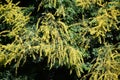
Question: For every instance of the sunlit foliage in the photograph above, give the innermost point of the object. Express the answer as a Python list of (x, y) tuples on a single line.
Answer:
[(50, 39), (82, 35)]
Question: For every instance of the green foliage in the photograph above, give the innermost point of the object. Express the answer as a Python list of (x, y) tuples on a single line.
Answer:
[(106, 66), (54, 39), (107, 19), (47, 40), (7, 76), (82, 35)]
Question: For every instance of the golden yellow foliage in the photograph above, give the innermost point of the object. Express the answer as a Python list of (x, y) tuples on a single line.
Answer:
[(53, 38), (106, 66)]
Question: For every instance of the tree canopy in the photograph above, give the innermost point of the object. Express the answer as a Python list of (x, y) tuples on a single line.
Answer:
[(81, 35)]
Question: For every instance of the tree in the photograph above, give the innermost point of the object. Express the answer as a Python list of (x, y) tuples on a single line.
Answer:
[(81, 35)]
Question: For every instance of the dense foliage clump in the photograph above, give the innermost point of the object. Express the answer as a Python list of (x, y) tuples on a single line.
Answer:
[(81, 35)]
